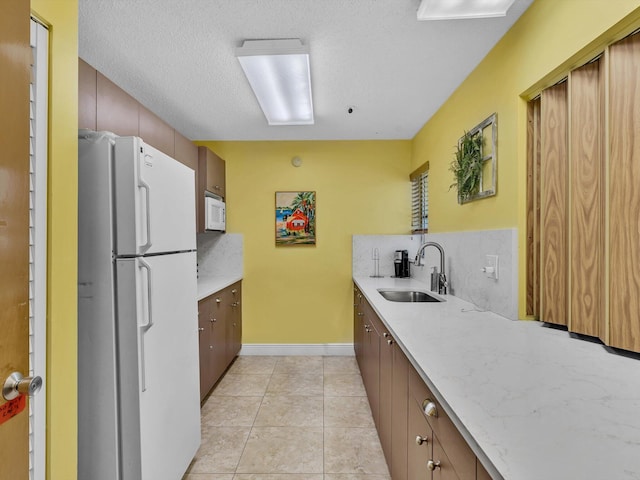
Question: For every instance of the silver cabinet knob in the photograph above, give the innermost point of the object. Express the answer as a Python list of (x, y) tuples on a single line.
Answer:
[(429, 407), (431, 465), (17, 385), (217, 300), (234, 291), (201, 329), (361, 314), (420, 440), (210, 347), (390, 342), (385, 334)]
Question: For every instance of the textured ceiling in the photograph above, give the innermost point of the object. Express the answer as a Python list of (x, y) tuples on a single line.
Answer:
[(177, 58)]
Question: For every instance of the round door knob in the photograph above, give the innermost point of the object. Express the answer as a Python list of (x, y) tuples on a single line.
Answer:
[(429, 407), (217, 300), (431, 465), (234, 291), (385, 334), (390, 342), (420, 440), (17, 385)]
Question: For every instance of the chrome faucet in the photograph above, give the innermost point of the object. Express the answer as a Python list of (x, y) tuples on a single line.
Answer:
[(442, 278)]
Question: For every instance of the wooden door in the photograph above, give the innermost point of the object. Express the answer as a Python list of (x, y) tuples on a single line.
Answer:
[(236, 321), (15, 59), (220, 311), (204, 312), (399, 403), (216, 178), (554, 165), (586, 295), (624, 194), (386, 386), (419, 443)]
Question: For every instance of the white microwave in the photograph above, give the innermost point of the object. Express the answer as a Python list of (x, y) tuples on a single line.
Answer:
[(214, 214)]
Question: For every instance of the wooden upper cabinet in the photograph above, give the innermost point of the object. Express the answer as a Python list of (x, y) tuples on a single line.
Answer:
[(624, 194), (187, 153), (156, 132), (87, 95), (116, 111), (554, 170), (212, 168)]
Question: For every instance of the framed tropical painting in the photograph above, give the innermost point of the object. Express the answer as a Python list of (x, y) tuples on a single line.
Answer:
[(295, 218)]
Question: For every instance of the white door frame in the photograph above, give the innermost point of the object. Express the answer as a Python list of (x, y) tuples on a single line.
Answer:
[(38, 246)]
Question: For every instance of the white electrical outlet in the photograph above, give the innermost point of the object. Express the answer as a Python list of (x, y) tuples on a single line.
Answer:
[(490, 268)]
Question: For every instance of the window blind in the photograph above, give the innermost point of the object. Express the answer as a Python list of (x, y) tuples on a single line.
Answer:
[(420, 199)]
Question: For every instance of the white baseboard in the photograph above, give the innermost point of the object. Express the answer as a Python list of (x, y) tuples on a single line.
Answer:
[(282, 349)]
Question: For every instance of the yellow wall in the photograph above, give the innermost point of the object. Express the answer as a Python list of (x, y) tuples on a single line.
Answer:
[(552, 37), (303, 294), (62, 18)]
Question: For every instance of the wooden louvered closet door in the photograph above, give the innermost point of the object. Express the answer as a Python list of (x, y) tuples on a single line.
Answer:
[(587, 293), (553, 239), (624, 194)]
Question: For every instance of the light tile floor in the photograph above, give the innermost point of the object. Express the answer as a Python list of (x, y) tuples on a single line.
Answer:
[(289, 418)]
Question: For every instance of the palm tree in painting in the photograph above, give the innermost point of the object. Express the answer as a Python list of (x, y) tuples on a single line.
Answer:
[(305, 201)]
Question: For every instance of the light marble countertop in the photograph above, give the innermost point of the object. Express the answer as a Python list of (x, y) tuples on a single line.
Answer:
[(210, 284), (531, 401)]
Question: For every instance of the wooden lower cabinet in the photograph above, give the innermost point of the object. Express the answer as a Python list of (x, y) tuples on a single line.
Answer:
[(413, 427), (220, 332), (399, 413), (419, 444)]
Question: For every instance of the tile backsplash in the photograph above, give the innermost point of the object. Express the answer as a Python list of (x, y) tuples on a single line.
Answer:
[(220, 254), (464, 258)]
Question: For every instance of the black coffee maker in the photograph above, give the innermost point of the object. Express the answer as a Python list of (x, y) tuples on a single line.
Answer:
[(401, 263)]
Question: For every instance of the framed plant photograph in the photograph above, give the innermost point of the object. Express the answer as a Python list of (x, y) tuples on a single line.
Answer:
[(295, 218)]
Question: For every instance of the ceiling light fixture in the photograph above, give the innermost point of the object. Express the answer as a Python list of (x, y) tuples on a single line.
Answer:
[(279, 74), (460, 9)]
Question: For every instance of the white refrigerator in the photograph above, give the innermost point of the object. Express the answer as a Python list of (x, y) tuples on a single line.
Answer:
[(138, 370)]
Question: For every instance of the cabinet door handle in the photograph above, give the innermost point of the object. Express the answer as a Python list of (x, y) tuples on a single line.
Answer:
[(361, 314), (201, 329), (213, 320), (431, 465), (429, 407), (390, 342), (217, 300), (385, 334), (420, 440)]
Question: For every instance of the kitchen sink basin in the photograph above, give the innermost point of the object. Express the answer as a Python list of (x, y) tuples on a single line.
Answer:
[(408, 296)]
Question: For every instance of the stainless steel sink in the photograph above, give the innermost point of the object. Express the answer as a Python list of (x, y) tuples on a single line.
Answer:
[(408, 296)]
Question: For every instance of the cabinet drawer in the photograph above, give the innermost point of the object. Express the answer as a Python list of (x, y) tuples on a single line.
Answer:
[(450, 439)]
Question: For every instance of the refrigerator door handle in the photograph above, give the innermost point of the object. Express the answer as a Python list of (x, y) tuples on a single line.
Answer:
[(144, 185), (145, 327)]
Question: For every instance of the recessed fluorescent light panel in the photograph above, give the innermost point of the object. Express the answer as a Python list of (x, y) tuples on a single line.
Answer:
[(279, 74), (459, 9)]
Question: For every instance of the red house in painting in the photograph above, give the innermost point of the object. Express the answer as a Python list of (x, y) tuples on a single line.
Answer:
[(297, 221)]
